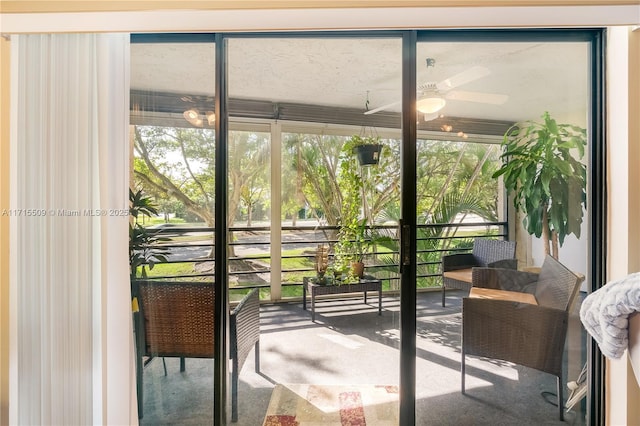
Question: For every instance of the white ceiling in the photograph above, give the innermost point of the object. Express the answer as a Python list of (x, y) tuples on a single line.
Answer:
[(341, 72)]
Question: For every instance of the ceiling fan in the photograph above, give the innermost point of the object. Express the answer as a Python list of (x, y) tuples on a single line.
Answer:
[(433, 96)]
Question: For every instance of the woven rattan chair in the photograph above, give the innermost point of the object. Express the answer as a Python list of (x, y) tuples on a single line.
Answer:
[(176, 319), (526, 334), (457, 267)]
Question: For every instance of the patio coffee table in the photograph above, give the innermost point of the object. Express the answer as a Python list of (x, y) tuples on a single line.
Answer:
[(315, 289)]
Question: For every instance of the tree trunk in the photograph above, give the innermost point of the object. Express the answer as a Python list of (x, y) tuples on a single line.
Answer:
[(546, 238), (555, 246)]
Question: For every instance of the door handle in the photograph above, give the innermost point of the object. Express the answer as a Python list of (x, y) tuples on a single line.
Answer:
[(405, 245)]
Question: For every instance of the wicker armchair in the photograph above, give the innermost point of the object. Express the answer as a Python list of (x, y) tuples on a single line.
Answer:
[(457, 267), (526, 334), (176, 319)]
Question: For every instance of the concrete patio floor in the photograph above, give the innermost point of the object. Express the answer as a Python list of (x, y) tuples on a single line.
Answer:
[(350, 344)]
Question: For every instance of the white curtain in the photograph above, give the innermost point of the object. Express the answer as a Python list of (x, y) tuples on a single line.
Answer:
[(72, 363)]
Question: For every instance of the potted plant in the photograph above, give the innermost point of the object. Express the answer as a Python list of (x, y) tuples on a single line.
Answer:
[(340, 267), (541, 165), (143, 249), (353, 244), (366, 148)]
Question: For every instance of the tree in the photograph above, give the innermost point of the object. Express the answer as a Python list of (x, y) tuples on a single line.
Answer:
[(251, 194), (314, 160), (178, 163), (248, 170), (317, 161), (447, 167)]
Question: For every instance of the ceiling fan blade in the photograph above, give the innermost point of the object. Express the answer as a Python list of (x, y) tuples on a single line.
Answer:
[(464, 77), (381, 108), (480, 97)]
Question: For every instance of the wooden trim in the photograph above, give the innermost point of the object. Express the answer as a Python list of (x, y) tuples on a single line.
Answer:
[(318, 19), (28, 6)]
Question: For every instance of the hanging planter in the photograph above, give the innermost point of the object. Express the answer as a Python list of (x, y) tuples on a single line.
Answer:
[(366, 148), (368, 154)]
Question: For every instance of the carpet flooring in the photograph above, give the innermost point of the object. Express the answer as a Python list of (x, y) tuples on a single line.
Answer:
[(350, 345)]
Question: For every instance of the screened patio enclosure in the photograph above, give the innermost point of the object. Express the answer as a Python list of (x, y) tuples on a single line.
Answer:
[(239, 139)]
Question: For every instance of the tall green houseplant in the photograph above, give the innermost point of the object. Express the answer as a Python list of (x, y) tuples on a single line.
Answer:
[(542, 166), (143, 250)]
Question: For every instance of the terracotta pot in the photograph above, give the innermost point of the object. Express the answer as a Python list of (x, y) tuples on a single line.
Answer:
[(358, 269)]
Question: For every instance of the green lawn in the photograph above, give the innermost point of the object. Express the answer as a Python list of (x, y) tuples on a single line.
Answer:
[(305, 261), (169, 269)]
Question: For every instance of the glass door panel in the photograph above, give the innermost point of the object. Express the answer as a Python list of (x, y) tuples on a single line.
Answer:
[(328, 340), (173, 164), (470, 95), (302, 207)]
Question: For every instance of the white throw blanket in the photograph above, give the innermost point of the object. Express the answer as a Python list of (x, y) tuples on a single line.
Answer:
[(605, 314)]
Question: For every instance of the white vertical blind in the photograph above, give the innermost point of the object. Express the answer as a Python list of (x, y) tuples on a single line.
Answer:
[(74, 359)]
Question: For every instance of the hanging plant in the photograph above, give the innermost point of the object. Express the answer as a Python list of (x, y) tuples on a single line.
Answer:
[(356, 238), (367, 149)]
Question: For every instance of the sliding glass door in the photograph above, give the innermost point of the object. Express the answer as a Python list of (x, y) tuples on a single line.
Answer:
[(302, 209), (476, 92), (247, 147), (172, 176)]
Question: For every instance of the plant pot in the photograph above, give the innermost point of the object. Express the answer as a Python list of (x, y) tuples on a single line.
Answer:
[(368, 154), (358, 269)]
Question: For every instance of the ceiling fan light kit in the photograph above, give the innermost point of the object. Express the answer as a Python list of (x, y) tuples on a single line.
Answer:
[(192, 115), (432, 116), (433, 95), (430, 104)]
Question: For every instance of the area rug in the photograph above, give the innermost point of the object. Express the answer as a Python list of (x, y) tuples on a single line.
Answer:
[(358, 405)]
